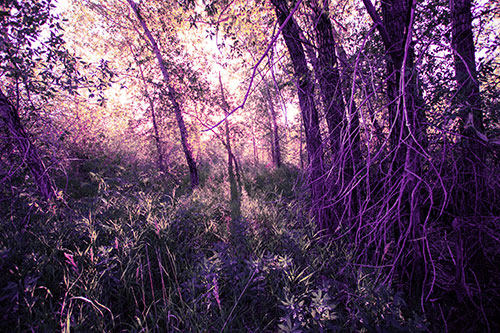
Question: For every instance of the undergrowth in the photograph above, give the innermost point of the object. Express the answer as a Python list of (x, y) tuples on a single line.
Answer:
[(124, 251)]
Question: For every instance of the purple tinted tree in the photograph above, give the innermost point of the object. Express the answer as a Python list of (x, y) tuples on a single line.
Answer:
[(467, 100), (342, 123), (320, 194), (275, 138), (16, 138), (402, 186), (231, 160), (172, 95), (31, 73), (327, 74)]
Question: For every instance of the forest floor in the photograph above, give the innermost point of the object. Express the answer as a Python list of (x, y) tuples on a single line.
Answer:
[(126, 251)]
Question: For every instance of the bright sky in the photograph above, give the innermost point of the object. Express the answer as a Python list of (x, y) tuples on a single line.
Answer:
[(61, 5)]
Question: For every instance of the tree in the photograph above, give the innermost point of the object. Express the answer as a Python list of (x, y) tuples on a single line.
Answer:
[(172, 95), (403, 186), (273, 117), (322, 212), (467, 96), (149, 97), (33, 67), (342, 122), (275, 140), (467, 99), (327, 74), (231, 161), (16, 136)]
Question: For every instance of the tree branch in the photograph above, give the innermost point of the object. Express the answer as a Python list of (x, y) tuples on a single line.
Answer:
[(378, 23), (254, 71)]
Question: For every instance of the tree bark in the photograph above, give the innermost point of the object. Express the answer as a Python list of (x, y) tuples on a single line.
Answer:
[(346, 153), (328, 76), (172, 95), (324, 215), (354, 156), (468, 100), (403, 185), (275, 139), (465, 64)]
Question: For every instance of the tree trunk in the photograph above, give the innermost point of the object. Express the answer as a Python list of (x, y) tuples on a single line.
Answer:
[(235, 194), (16, 134), (328, 77), (156, 132), (345, 145), (301, 149), (324, 215), (254, 145), (403, 184), (395, 14), (172, 95), (354, 157), (465, 65), (468, 101), (276, 151)]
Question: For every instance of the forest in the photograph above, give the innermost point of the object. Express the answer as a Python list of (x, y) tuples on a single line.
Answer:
[(249, 165)]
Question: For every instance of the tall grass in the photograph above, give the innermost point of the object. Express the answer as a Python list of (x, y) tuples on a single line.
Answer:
[(126, 252)]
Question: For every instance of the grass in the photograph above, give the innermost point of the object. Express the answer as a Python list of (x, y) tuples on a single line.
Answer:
[(126, 252)]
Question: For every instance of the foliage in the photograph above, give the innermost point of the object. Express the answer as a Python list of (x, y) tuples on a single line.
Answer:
[(285, 181)]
